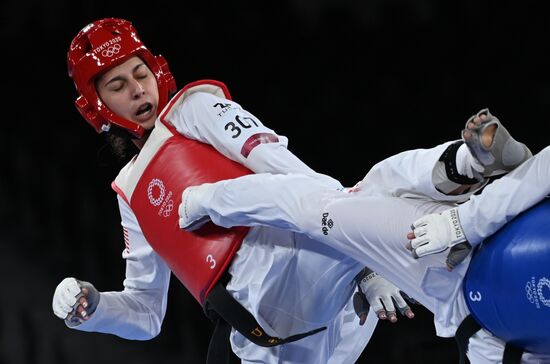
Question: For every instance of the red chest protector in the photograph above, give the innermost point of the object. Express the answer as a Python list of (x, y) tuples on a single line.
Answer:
[(152, 185)]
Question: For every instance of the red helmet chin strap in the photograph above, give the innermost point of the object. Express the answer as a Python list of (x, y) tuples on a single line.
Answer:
[(98, 47)]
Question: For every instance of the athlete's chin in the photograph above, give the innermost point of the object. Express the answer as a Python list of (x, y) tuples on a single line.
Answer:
[(148, 124)]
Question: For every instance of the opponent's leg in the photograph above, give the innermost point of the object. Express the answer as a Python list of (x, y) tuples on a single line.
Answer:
[(252, 200), (488, 150), (372, 230), (506, 197), (492, 145)]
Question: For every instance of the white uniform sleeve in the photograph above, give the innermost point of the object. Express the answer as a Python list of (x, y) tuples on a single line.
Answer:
[(238, 135), (506, 197), (137, 311)]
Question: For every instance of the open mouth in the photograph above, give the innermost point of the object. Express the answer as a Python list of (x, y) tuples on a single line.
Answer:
[(144, 109)]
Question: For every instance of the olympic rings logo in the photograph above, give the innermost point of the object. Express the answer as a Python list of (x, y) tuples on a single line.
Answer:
[(156, 192), (529, 292), (156, 201), (111, 51), (538, 292), (544, 282), (168, 208)]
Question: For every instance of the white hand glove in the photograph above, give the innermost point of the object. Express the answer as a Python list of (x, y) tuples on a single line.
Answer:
[(191, 215), (380, 294), (435, 233), (75, 301)]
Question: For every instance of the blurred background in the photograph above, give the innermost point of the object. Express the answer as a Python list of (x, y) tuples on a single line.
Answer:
[(349, 82)]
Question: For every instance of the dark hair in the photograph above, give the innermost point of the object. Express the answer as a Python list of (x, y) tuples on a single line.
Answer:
[(121, 145)]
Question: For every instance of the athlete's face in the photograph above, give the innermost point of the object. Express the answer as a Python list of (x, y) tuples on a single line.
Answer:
[(130, 91)]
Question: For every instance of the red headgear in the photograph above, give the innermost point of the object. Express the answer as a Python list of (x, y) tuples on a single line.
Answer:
[(98, 47)]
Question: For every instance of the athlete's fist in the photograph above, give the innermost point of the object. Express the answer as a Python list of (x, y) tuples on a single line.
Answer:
[(74, 301), (435, 233)]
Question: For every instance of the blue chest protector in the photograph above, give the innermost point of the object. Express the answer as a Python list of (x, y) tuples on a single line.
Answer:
[(507, 286)]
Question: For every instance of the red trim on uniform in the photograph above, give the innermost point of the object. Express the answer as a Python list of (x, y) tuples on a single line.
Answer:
[(257, 139), (170, 127), (120, 192)]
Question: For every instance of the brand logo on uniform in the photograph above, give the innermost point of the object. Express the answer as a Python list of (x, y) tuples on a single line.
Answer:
[(156, 192), (326, 223), (538, 292), (109, 48), (225, 107)]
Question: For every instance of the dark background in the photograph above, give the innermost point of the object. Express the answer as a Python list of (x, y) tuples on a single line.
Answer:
[(349, 82)]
